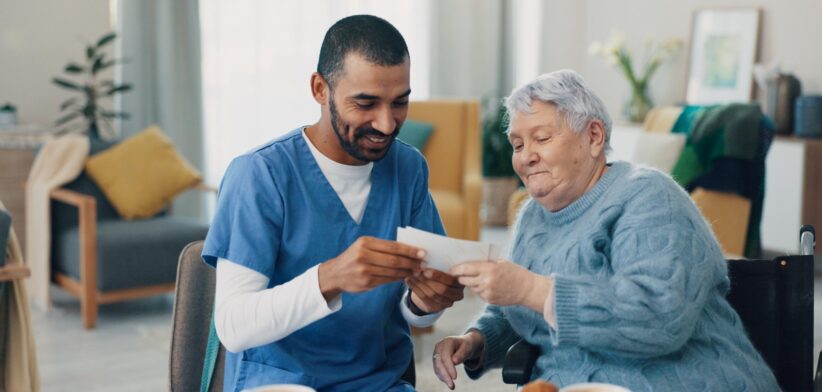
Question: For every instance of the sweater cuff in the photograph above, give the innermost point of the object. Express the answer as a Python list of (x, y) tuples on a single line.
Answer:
[(566, 296)]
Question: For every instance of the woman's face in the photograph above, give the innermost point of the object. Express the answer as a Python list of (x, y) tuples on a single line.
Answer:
[(555, 164)]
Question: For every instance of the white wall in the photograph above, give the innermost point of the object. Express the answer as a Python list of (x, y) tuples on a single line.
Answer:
[(789, 31), (37, 39)]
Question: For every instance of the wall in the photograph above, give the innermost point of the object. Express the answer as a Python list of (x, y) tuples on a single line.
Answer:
[(37, 39), (788, 28)]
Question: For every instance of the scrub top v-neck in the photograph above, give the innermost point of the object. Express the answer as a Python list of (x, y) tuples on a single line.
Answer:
[(278, 214)]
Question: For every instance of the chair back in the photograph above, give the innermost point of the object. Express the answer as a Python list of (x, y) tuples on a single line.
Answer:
[(193, 307), (453, 149), (774, 299)]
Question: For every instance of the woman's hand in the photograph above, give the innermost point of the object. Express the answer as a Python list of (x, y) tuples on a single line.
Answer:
[(505, 283), (454, 350)]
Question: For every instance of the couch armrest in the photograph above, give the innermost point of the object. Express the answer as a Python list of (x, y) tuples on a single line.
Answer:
[(87, 211)]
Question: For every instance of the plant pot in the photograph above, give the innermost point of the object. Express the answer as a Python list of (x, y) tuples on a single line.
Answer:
[(495, 194)]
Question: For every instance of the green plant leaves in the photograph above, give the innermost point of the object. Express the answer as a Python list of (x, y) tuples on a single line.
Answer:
[(106, 39), (117, 89), (66, 84), (111, 114), (74, 68), (68, 102)]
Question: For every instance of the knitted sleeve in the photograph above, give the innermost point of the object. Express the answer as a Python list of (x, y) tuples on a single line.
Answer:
[(499, 336), (665, 264)]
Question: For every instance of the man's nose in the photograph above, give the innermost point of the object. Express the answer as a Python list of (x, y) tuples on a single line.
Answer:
[(384, 122)]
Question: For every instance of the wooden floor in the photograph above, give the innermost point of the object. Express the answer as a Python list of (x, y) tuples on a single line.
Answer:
[(128, 351)]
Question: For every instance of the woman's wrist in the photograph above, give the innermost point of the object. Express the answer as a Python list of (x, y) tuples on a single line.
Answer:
[(539, 291)]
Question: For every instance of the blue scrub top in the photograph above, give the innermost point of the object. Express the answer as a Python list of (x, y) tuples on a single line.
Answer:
[(278, 215)]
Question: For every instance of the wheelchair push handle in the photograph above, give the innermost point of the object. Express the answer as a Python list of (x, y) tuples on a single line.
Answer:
[(807, 240)]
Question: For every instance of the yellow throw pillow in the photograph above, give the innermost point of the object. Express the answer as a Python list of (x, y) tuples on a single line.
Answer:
[(141, 174)]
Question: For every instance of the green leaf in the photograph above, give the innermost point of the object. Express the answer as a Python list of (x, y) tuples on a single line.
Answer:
[(97, 65), (67, 103), (90, 52), (106, 39), (110, 114), (66, 84), (67, 118), (118, 89), (74, 68)]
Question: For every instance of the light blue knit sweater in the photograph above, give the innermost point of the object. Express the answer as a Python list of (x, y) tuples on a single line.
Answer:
[(640, 286)]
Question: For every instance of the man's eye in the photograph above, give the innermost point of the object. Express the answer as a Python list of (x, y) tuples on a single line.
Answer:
[(401, 103), (365, 105)]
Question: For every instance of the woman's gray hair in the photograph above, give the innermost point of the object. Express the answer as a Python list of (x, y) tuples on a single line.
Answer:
[(572, 98)]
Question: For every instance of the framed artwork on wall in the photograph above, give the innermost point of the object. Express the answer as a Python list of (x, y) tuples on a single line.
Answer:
[(724, 47)]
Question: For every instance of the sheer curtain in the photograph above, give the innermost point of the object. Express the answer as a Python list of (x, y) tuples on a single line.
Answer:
[(258, 56)]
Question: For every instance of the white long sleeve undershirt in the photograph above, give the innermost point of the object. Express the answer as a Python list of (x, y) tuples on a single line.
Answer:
[(247, 314)]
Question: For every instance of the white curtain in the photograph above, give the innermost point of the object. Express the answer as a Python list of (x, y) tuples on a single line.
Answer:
[(160, 42), (258, 56)]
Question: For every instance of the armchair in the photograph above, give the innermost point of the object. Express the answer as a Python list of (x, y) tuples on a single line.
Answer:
[(453, 155), (100, 258)]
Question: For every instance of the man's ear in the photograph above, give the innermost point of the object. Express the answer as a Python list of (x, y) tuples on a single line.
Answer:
[(596, 134), (319, 88)]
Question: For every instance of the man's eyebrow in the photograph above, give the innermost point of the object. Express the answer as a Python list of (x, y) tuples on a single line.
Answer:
[(365, 96)]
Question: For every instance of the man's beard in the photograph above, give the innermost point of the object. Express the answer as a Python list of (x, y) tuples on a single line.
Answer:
[(352, 147)]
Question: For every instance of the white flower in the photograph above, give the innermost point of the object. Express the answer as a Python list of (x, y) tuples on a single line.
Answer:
[(595, 49)]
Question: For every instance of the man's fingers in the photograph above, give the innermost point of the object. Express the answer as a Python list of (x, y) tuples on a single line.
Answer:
[(389, 260), (395, 248), (384, 272)]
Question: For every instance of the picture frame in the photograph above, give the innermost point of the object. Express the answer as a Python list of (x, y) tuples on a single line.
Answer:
[(723, 49)]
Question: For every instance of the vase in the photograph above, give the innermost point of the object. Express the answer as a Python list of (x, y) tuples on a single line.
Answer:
[(638, 105)]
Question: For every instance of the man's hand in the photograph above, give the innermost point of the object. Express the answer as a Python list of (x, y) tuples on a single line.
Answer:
[(434, 290), (369, 262), (454, 350), (505, 283)]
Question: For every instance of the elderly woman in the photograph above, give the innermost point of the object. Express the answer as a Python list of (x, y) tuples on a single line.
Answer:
[(615, 274)]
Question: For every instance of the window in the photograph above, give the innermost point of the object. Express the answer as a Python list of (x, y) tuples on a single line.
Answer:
[(258, 56)]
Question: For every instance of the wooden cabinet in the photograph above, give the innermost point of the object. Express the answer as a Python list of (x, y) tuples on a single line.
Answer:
[(16, 158), (793, 192)]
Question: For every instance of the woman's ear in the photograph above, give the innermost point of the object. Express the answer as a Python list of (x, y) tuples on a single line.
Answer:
[(319, 88), (596, 133)]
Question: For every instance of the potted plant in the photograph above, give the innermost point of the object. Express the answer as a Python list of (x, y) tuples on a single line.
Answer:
[(499, 178), (92, 91), (8, 115)]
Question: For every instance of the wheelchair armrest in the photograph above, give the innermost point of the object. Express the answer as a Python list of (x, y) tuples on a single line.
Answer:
[(817, 381), (519, 362)]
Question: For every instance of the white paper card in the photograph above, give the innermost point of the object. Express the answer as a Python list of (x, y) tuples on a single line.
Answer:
[(442, 252)]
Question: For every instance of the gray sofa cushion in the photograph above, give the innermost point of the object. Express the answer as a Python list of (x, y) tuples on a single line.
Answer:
[(130, 253)]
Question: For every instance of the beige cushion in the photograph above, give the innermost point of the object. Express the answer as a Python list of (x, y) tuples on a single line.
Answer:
[(142, 174)]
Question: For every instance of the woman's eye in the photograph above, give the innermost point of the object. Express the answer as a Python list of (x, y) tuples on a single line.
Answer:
[(517, 147)]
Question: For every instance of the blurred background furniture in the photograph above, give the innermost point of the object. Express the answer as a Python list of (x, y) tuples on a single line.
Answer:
[(16, 157), (101, 258), (453, 155)]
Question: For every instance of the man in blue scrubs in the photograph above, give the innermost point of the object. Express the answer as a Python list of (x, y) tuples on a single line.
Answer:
[(312, 289)]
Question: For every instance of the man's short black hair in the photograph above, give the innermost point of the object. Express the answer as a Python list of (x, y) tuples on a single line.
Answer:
[(367, 35)]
